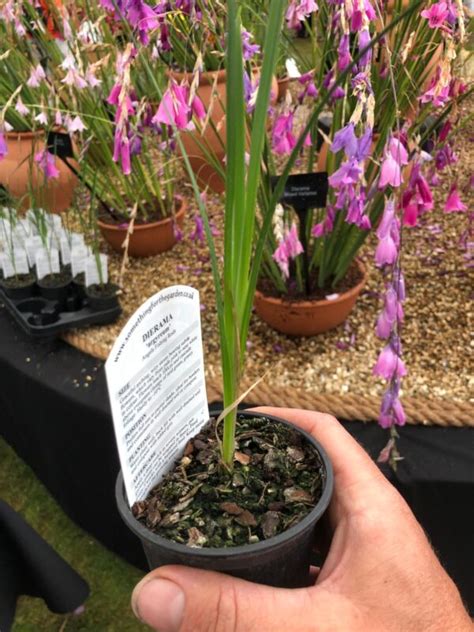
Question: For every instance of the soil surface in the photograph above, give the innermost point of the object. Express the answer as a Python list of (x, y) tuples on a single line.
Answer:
[(55, 280), (276, 480), (80, 278), (352, 278), (20, 280), (106, 290)]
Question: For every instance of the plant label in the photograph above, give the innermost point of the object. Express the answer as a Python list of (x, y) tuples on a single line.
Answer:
[(60, 144), (304, 190), (65, 249), (93, 275), (32, 245), (7, 266), (157, 389), (21, 261), (77, 239), (54, 221), (78, 259), (47, 262), (16, 264)]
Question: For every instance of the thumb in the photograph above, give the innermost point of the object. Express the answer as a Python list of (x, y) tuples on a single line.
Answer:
[(181, 599)]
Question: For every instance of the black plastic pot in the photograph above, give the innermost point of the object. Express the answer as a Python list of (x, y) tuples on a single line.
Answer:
[(282, 561), (20, 292), (57, 292), (108, 300)]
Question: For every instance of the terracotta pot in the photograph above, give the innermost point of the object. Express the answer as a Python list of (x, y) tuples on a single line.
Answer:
[(20, 175), (199, 146), (283, 87), (307, 318), (146, 240)]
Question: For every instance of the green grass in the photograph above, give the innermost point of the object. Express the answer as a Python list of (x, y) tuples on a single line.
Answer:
[(111, 580)]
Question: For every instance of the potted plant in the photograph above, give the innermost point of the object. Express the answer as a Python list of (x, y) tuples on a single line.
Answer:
[(253, 541), (16, 280), (245, 239), (311, 274), (29, 168)]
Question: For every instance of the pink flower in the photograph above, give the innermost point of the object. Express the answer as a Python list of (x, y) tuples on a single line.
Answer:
[(122, 152), (75, 125), (174, 109), (389, 364), (289, 248), (73, 78), (395, 157), (298, 10), (3, 146), (47, 162), (436, 14), (283, 138), (281, 257), (386, 252), (42, 118), (91, 78), (198, 108), (294, 245), (21, 108), (36, 77), (198, 232), (453, 203)]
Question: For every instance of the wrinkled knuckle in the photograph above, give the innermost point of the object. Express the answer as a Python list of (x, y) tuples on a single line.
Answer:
[(225, 617), (328, 419)]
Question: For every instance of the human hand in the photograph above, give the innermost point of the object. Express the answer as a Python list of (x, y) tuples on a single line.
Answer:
[(380, 573)]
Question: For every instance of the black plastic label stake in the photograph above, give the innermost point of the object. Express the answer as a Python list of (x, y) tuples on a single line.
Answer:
[(60, 144), (304, 190)]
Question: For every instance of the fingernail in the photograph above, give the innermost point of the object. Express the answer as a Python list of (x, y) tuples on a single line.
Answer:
[(160, 604)]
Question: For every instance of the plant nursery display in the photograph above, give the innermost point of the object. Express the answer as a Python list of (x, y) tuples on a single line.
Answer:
[(40, 258), (139, 105)]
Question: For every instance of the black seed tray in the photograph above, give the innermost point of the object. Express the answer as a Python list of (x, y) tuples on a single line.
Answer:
[(40, 317)]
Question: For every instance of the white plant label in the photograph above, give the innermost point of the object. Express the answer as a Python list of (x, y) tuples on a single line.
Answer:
[(54, 221), (21, 261), (78, 259), (47, 262), (32, 245), (7, 266), (77, 239), (157, 389), (18, 264), (65, 248), (92, 275)]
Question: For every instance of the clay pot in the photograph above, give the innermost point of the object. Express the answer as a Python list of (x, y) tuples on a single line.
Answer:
[(283, 87), (146, 240), (19, 174), (204, 147), (308, 318)]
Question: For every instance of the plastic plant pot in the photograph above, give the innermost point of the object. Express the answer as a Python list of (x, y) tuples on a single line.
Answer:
[(21, 291), (101, 300), (282, 561), (57, 292)]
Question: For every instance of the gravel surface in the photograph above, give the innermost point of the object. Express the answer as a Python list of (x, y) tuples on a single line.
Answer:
[(437, 335)]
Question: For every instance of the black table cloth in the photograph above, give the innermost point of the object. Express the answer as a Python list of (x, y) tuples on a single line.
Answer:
[(54, 412), (29, 566)]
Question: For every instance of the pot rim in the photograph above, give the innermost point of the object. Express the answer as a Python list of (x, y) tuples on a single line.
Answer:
[(206, 77), (139, 227), (319, 302), (233, 552), (13, 135), (63, 285)]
